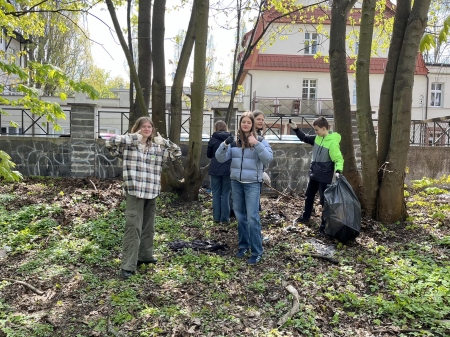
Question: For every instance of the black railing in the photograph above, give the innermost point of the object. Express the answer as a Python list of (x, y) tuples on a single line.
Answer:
[(293, 106), (29, 123)]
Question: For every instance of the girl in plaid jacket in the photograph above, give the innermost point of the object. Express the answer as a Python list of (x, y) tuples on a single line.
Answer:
[(142, 155)]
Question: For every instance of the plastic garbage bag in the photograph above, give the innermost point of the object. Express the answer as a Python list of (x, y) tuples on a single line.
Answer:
[(341, 211)]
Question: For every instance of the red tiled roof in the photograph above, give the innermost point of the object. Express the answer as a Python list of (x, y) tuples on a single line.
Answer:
[(307, 63)]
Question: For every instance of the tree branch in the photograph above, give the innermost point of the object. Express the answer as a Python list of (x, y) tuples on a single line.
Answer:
[(295, 305), (29, 286)]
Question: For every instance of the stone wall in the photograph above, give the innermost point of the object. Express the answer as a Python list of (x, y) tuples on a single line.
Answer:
[(427, 161), (66, 157), (82, 155)]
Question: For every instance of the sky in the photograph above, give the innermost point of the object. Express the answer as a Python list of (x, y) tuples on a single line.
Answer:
[(108, 53)]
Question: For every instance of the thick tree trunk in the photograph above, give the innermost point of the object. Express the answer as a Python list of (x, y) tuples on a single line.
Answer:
[(387, 88), (340, 90), (193, 174), (177, 86), (159, 70), (392, 206), (364, 111)]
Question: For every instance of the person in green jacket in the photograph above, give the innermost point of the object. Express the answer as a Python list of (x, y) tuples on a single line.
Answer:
[(326, 161)]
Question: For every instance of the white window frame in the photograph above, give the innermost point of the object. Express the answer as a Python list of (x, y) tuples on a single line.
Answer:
[(354, 93), (311, 41), (311, 89), (436, 95)]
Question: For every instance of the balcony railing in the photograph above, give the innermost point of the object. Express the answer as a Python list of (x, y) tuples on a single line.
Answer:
[(293, 106)]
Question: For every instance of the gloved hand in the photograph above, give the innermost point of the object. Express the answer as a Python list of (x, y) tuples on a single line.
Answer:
[(292, 124), (159, 140), (266, 178), (338, 174), (138, 134), (229, 140)]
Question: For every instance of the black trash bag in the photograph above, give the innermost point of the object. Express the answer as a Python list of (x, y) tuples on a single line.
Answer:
[(199, 245), (341, 211)]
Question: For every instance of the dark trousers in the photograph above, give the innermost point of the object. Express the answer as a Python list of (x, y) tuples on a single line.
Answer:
[(311, 190)]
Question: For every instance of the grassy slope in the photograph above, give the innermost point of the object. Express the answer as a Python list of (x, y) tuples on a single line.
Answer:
[(63, 236)]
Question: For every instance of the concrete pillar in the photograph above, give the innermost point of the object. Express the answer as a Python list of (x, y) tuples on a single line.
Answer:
[(83, 132)]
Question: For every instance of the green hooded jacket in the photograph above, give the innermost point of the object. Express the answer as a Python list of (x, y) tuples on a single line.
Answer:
[(326, 156)]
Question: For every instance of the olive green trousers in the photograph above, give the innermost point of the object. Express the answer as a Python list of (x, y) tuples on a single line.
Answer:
[(139, 231)]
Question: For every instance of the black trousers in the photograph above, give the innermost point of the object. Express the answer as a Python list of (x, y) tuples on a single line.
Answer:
[(311, 190)]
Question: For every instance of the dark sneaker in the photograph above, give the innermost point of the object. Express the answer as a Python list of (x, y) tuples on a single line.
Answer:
[(152, 261), (254, 259), (127, 274), (301, 220), (241, 252)]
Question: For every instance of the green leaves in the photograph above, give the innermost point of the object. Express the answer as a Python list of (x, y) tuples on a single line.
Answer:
[(6, 166), (429, 40)]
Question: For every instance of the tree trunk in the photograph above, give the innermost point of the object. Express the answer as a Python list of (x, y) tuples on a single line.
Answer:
[(340, 91), (177, 86), (130, 47), (234, 77), (159, 69), (193, 174), (387, 88), (364, 111), (133, 72), (144, 60), (392, 206)]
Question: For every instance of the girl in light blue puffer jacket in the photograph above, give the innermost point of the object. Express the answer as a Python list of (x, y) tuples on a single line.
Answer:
[(248, 155)]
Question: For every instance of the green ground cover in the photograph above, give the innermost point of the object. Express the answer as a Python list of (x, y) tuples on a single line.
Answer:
[(63, 236)]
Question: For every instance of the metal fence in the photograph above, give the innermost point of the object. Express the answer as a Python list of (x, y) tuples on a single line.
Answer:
[(116, 122), (432, 132), (293, 106), (21, 121)]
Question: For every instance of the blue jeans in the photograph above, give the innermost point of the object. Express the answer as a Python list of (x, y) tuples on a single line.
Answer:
[(220, 188), (246, 209)]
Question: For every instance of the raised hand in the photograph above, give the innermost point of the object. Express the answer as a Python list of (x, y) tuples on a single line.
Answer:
[(229, 140), (252, 140), (292, 124), (159, 140)]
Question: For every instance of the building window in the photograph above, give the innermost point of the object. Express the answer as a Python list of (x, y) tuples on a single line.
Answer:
[(310, 43), (436, 94), (354, 93), (309, 89)]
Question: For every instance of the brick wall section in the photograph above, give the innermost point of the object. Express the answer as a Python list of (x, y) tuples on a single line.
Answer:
[(288, 170)]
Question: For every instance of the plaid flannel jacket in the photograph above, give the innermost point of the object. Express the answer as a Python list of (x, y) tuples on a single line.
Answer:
[(142, 164)]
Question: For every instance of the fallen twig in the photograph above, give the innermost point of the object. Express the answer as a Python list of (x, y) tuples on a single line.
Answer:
[(281, 193), (93, 184), (295, 305), (325, 257), (29, 286)]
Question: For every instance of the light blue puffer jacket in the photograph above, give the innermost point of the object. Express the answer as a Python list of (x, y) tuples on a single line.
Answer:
[(246, 164)]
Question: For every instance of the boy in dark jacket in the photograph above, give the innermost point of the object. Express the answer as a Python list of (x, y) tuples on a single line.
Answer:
[(220, 174), (326, 160)]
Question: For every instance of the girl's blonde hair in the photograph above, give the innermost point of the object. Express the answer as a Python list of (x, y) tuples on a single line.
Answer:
[(138, 125), (243, 138), (220, 126)]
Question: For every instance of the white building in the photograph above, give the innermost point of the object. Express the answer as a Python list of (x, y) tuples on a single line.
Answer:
[(287, 77)]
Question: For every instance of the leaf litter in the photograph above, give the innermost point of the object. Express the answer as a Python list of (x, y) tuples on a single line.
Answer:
[(183, 296)]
